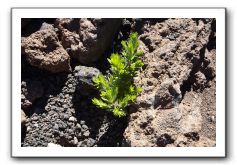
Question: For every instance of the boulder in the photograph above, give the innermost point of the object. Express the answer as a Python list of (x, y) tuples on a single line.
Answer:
[(87, 39), (44, 51), (173, 50), (84, 77), (159, 128), (177, 69)]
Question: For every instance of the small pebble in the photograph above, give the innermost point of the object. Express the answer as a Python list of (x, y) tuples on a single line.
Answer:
[(56, 126), (86, 134), (72, 119), (75, 140), (82, 122), (70, 131), (84, 127)]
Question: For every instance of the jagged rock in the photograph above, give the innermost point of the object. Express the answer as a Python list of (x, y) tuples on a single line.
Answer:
[(200, 81), (30, 91), (168, 95), (84, 76), (210, 64), (170, 62), (162, 127), (43, 50), (46, 26), (174, 63), (87, 39), (191, 120), (147, 127), (187, 141)]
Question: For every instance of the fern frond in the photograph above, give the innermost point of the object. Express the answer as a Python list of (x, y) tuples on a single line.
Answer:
[(100, 103)]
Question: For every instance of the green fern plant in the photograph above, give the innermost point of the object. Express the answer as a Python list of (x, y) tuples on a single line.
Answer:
[(117, 89)]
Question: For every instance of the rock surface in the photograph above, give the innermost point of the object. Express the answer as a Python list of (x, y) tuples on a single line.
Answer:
[(43, 50), (173, 49), (178, 67), (84, 75), (87, 39), (70, 120)]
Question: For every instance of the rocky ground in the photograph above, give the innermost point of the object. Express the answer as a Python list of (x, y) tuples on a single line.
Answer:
[(176, 108)]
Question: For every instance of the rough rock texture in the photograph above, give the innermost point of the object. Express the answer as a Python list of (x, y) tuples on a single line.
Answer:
[(87, 39), (69, 119), (43, 50), (84, 75), (178, 67), (190, 124), (172, 50), (30, 91)]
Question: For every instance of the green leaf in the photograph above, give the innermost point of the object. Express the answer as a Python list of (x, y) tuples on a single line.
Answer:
[(138, 63), (119, 113), (139, 89), (133, 40), (139, 53), (131, 89), (124, 45), (117, 63), (110, 95), (100, 81), (100, 103), (117, 89)]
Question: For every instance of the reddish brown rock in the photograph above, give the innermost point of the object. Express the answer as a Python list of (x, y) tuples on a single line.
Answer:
[(87, 39), (43, 50), (178, 71)]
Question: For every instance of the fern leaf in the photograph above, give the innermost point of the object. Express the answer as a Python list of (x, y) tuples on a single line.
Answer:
[(100, 103)]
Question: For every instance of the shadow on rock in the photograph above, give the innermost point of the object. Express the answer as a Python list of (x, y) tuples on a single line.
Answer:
[(87, 115), (105, 129), (113, 136)]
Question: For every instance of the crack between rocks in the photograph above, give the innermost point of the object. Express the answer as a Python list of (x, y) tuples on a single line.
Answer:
[(188, 84)]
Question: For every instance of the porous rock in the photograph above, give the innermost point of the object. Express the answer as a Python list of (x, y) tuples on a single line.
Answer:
[(169, 62), (87, 39), (44, 51), (84, 75), (176, 61)]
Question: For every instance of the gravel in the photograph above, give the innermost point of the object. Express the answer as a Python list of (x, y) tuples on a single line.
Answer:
[(68, 118)]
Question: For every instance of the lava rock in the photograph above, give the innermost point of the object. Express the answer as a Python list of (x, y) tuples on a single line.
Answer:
[(200, 81), (87, 39), (43, 50), (84, 77)]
